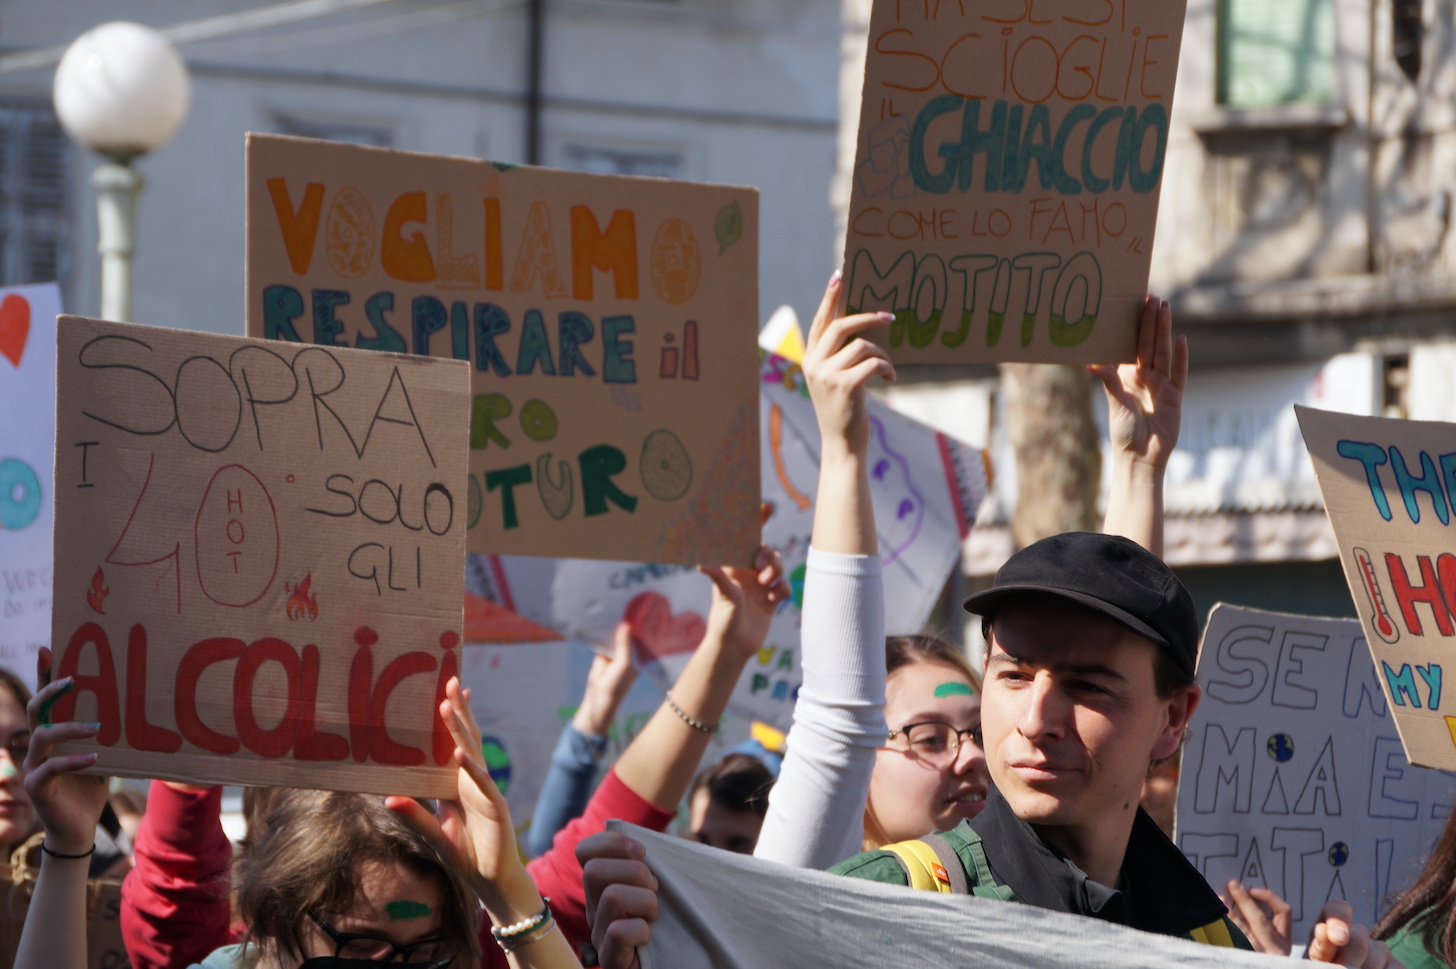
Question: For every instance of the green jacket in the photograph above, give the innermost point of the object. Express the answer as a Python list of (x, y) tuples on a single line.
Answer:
[(1408, 945), (1175, 899)]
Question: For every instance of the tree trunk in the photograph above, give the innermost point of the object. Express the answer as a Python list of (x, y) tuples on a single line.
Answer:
[(1055, 442)]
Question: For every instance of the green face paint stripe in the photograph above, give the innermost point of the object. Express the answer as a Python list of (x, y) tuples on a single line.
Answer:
[(8, 772), (48, 705), (953, 689), (399, 911)]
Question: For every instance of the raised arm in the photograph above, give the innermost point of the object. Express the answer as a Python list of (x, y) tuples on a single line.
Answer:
[(68, 805), (1144, 410), (816, 808), (583, 741)]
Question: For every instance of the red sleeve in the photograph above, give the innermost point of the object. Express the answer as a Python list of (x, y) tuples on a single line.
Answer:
[(174, 903), (558, 874)]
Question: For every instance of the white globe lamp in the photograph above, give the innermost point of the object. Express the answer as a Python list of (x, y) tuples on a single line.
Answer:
[(121, 90)]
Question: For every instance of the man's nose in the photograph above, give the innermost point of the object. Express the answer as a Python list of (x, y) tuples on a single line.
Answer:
[(1045, 711)]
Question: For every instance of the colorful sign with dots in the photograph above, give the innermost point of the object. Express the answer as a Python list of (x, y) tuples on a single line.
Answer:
[(1293, 777), (608, 323), (27, 455), (258, 557), (1006, 181), (1388, 487), (926, 489)]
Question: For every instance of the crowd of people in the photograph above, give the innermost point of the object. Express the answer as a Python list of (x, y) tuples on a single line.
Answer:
[(904, 764)]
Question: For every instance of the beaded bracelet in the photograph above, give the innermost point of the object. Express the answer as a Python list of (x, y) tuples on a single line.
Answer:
[(695, 724), (526, 930)]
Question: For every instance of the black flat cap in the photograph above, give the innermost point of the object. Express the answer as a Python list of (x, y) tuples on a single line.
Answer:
[(1108, 574)]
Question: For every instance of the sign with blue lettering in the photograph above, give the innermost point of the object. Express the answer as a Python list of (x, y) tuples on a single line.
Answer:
[(1006, 181), (1294, 778), (1388, 487)]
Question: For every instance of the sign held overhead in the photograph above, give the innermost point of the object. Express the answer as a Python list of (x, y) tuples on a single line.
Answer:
[(258, 557), (1007, 175), (609, 324)]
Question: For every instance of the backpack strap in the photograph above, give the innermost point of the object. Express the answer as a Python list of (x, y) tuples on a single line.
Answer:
[(950, 863), (922, 866), (1214, 933)]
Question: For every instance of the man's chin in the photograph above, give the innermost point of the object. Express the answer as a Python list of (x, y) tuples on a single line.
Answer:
[(1036, 807)]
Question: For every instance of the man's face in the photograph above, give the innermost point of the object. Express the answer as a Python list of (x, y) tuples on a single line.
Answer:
[(1071, 715)]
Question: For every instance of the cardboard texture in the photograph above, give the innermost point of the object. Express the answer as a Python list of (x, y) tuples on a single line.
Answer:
[(260, 549), (609, 322), (1293, 777), (27, 375), (926, 489), (1007, 175), (1388, 487)]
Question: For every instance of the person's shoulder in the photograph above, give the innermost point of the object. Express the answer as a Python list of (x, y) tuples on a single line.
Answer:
[(1409, 945), (878, 866), (231, 957)]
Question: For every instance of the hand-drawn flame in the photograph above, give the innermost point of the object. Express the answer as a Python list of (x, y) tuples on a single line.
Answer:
[(97, 592), (300, 603)]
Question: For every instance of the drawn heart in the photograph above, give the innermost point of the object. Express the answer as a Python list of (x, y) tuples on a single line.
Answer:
[(657, 633), (14, 327)]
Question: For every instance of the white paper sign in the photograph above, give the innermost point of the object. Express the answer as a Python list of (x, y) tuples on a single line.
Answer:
[(27, 461), (1294, 777)]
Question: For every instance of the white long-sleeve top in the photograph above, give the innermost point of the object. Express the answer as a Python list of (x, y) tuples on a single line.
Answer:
[(816, 808)]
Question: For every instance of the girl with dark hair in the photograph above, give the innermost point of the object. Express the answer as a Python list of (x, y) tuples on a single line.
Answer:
[(1421, 927), (334, 881)]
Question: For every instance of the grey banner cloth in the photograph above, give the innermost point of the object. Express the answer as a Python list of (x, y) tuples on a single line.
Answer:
[(726, 911)]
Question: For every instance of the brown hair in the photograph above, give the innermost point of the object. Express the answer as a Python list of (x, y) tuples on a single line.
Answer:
[(16, 686), (1429, 906), (737, 782), (904, 650), (307, 859)]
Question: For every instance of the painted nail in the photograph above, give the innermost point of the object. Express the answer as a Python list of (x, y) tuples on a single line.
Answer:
[(886, 317), (96, 726), (835, 277)]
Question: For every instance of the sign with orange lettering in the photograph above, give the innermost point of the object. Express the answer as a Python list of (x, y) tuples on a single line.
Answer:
[(1006, 181), (259, 550), (1389, 488), (609, 324)]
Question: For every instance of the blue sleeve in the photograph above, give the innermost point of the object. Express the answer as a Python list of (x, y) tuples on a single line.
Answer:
[(567, 789)]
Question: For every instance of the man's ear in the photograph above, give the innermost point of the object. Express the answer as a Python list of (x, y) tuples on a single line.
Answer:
[(1180, 707)]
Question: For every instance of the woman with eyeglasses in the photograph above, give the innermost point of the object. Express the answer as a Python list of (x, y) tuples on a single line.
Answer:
[(885, 742), (335, 881)]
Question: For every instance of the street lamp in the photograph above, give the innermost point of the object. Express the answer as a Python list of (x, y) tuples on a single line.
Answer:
[(122, 91)]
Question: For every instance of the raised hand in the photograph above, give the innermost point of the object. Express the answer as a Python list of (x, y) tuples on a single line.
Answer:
[(837, 365), (745, 600), (1145, 399), (607, 684), (68, 803)]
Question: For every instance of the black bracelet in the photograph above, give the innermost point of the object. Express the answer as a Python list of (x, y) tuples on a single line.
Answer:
[(57, 854)]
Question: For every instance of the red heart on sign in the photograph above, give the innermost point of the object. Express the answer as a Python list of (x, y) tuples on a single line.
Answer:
[(14, 327), (657, 632)]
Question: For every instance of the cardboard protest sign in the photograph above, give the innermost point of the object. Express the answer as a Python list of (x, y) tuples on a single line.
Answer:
[(1007, 175), (1388, 486), (1293, 777), (608, 321), (926, 488), (259, 548), (27, 448)]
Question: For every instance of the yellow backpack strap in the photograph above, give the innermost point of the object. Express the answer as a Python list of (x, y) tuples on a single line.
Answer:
[(1214, 933), (922, 866)]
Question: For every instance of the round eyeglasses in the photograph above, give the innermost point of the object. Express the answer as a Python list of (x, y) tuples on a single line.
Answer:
[(934, 745)]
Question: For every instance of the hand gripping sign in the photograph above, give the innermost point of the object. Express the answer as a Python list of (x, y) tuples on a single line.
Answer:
[(258, 557)]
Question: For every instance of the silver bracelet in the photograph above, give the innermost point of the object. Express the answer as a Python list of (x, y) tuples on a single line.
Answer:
[(695, 724)]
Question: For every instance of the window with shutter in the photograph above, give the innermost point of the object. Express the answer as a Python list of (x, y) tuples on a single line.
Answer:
[(34, 197)]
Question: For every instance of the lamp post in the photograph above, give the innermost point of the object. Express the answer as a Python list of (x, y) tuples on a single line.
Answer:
[(121, 90)]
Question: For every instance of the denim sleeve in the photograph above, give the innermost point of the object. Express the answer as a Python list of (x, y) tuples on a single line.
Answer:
[(567, 789)]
